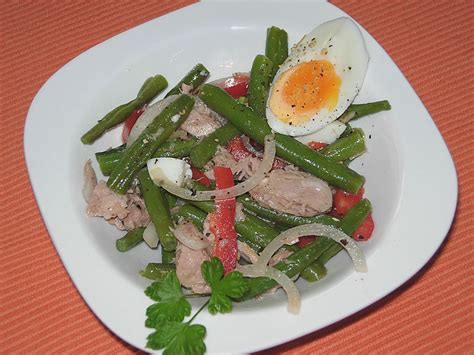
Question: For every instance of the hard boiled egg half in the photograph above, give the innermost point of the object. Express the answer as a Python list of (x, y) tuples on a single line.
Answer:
[(319, 80)]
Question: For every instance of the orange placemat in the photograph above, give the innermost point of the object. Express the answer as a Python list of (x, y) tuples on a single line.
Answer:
[(41, 311)]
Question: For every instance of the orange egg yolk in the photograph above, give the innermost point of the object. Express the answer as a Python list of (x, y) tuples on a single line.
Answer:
[(302, 91)]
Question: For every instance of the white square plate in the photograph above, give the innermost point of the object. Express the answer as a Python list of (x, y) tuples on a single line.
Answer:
[(411, 179)]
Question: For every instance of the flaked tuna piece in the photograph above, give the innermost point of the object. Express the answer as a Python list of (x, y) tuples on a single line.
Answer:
[(188, 261), (126, 212), (294, 192), (247, 252), (242, 169), (202, 121)]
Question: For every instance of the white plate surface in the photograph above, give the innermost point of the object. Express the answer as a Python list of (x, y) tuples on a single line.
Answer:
[(407, 161)]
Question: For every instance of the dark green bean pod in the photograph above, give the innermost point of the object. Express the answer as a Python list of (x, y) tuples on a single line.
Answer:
[(130, 240), (349, 224), (314, 272), (206, 149), (260, 79), (157, 271), (150, 88), (176, 148), (276, 47), (157, 208), (153, 136), (348, 147), (356, 111), (281, 217), (288, 148), (168, 257), (195, 77), (192, 214)]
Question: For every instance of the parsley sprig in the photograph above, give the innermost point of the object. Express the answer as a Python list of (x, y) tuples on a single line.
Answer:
[(167, 315)]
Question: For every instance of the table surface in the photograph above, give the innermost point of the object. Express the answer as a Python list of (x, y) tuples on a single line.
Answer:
[(41, 311)]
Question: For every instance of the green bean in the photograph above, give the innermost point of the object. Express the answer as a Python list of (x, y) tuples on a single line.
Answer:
[(195, 77), (260, 78), (168, 257), (192, 214), (347, 147), (152, 137), (356, 111), (156, 271), (150, 88), (349, 224), (158, 210), (171, 200), (109, 158), (314, 272), (276, 47), (282, 217), (129, 240), (176, 148), (205, 150), (291, 267), (251, 124)]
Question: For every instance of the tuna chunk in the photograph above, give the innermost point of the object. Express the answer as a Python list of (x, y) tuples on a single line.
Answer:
[(202, 121), (294, 192), (241, 169), (188, 261), (126, 212)]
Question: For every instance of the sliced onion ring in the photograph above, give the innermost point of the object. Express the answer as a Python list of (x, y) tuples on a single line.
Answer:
[(291, 235), (237, 190), (190, 242), (294, 299), (150, 237)]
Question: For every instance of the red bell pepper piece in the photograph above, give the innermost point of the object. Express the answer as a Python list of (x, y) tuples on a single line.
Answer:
[(239, 151), (344, 201), (199, 176), (305, 240), (236, 86), (316, 145), (130, 122), (364, 232), (222, 222)]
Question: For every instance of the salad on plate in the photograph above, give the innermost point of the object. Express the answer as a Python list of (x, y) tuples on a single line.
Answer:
[(244, 183)]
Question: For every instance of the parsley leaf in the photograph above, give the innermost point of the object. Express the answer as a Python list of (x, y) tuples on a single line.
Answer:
[(171, 304), (178, 338), (232, 285)]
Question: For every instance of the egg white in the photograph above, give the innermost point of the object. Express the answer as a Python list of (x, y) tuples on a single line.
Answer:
[(340, 42)]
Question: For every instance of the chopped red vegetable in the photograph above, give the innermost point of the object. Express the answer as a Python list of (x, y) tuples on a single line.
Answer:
[(130, 122), (239, 151), (304, 241), (222, 222), (316, 145), (344, 201), (364, 232), (199, 176), (236, 86)]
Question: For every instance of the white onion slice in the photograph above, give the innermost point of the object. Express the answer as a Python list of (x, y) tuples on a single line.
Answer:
[(150, 237), (190, 241), (147, 117), (90, 181), (237, 190), (291, 235), (294, 299)]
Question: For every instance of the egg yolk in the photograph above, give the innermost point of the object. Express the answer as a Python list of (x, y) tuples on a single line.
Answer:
[(302, 91)]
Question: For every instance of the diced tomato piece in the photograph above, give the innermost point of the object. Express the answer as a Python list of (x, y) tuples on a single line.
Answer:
[(343, 201), (364, 232), (305, 240), (199, 176), (316, 145), (130, 122), (279, 164), (222, 222), (236, 86)]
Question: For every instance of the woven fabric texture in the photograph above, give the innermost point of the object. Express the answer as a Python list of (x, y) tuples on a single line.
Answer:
[(40, 309)]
